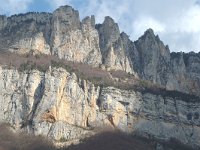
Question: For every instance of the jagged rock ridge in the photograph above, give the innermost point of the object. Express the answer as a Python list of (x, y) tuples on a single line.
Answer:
[(47, 103), (64, 35)]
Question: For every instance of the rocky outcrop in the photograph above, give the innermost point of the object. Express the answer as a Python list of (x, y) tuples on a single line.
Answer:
[(25, 32), (64, 35), (73, 40), (114, 53), (154, 58), (2, 21), (175, 71), (186, 72), (153, 115), (61, 33), (63, 107)]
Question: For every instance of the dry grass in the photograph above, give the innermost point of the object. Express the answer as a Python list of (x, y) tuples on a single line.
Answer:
[(107, 140), (104, 140), (113, 140), (42, 62), (97, 76), (22, 141)]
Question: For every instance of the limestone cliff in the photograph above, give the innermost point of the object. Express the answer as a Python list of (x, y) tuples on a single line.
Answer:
[(114, 53), (61, 33), (73, 40), (175, 71), (63, 107)]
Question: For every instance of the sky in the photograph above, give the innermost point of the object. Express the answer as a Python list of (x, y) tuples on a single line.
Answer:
[(177, 22)]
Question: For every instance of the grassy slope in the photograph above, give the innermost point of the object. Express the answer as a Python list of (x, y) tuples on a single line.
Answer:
[(97, 76)]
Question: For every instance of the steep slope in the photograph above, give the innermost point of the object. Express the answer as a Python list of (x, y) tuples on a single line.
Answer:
[(67, 107), (61, 34), (154, 58), (64, 35), (26, 32), (175, 71), (63, 107), (114, 53), (73, 40)]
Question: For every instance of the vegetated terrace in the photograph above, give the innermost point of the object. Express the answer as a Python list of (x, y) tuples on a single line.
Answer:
[(116, 78)]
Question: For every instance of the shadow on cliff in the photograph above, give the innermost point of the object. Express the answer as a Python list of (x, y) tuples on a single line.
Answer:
[(105, 140)]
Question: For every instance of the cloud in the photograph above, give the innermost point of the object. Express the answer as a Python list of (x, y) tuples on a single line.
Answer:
[(56, 3), (190, 21), (176, 22), (10, 7), (102, 8), (142, 23)]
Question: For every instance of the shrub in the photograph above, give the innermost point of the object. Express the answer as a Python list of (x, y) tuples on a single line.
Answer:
[(22, 141), (96, 75), (113, 140)]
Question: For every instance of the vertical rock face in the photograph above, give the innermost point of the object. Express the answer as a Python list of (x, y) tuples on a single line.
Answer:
[(109, 33), (185, 70), (64, 35), (60, 33), (114, 55), (66, 106), (54, 104), (74, 40), (64, 20), (3, 21), (63, 107), (154, 58), (153, 115), (152, 61), (25, 33), (19, 95)]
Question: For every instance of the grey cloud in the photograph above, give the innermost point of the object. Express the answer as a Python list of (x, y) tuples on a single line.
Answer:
[(175, 21)]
